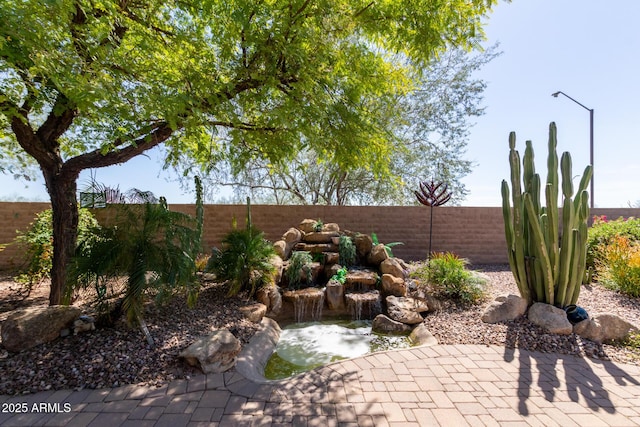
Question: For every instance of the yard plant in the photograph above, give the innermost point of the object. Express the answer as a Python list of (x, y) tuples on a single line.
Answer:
[(547, 269)]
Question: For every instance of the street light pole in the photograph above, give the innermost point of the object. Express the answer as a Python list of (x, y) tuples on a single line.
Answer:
[(555, 95)]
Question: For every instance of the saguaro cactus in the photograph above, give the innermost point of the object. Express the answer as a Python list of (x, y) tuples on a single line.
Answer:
[(546, 268)]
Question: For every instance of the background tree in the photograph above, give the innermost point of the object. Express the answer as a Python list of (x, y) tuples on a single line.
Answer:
[(87, 84), (430, 134)]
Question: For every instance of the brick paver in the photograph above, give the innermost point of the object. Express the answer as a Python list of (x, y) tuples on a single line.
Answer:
[(446, 385)]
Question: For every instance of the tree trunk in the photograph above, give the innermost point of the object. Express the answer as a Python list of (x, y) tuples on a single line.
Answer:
[(62, 190)]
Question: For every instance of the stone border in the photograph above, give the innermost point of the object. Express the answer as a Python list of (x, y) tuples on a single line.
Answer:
[(254, 356)]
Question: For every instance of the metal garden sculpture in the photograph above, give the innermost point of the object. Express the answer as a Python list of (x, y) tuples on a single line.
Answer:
[(432, 194)]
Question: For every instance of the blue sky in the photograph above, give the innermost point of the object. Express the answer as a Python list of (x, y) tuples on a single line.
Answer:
[(588, 49)]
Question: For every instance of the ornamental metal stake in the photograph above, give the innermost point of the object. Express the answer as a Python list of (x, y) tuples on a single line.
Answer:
[(432, 194)]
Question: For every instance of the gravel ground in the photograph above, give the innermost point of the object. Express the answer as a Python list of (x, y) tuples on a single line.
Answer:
[(110, 357)]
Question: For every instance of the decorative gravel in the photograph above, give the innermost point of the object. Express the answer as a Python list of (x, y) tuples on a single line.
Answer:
[(111, 357)]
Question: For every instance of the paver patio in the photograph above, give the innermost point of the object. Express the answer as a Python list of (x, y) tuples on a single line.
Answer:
[(446, 385)]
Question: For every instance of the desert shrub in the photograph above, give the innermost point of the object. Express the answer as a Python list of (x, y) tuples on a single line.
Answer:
[(603, 232), (244, 260), (618, 265), (446, 275), (37, 242), (347, 251), (299, 261)]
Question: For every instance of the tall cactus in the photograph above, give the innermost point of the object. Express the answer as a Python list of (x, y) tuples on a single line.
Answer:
[(545, 269)]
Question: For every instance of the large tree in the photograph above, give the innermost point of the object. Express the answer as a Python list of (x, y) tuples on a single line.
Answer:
[(88, 84), (430, 129)]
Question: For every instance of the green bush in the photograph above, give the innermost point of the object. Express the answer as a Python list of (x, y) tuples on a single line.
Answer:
[(446, 275), (245, 260), (347, 251), (603, 232), (299, 261), (618, 266), (37, 242)]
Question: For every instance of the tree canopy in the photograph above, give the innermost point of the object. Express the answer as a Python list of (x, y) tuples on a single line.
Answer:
[(88, 84)]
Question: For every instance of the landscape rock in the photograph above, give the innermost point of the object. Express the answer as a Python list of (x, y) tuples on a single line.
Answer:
[(213, 354), (280, 247), (550, 318), (334, 295), (270, 296), (364, 305), (307, 225), (361, 279), (405, 309), (604, 327), (29, 327), (254, 312), (377, 255), (364, 244), (331, 226), (392, 285), (385, 325), (504, 308), (83, 324), (420, 335), (393, 267), (320, 236)]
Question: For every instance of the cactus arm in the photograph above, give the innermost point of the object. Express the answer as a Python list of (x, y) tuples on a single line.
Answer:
[(551, 196), (516, 268), (566, 249), (541, 252)]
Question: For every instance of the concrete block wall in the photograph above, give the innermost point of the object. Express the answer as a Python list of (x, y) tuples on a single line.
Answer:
[(475, 233)]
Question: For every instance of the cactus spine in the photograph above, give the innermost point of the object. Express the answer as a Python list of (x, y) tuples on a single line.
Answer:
[(545, 269)]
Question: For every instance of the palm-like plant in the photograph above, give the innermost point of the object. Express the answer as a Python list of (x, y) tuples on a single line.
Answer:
[(155, 248)]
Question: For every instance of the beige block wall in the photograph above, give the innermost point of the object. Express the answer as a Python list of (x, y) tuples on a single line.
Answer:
[(475, 233)]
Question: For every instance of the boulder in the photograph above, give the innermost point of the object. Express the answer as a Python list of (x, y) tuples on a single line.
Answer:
[(213, 354), (392, 285), (393, 267), (84, 323), (331, 226), (504, 308), (604, 327), (364, 244), (320, 236), (292, 237), (29, 327), (385, 325), (377, 255), (361, 279), (270, 296), (334, 295), (278, 264), (254, 312), (550, 318), (280, 247), (420, 335), (405, 309), (307, 225)]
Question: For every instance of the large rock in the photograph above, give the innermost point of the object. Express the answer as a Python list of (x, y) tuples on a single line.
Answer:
[(385, 325), (280, 247), (358, 280), (214, 353), (550, 318), (307, 225), (320, 236), (334, 295), (393, 267), (254, 312), (604, 327), (364, 244), (29, 327), (420, 335), (292, 237), (405, 309), (270, 296), (504, 308), (392, 285), (377, 255)]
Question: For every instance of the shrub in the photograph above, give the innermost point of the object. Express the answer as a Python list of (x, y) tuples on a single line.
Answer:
[(347, 251), (245, 260), (447, 276), (603, 232), (298, 262), (38, 243), (619, 266)]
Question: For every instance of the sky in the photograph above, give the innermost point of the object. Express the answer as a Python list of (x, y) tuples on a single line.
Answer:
[(588, 49)]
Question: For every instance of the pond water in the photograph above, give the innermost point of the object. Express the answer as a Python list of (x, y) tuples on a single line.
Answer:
[(307, 345)]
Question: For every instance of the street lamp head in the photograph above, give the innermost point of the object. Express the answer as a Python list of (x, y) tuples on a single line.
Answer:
[(555, 95)]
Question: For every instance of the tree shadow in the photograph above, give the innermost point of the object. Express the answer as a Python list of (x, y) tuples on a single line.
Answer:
[(579, 377)]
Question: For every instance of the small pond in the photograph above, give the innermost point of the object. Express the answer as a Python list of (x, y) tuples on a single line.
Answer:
[(307, 345)]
